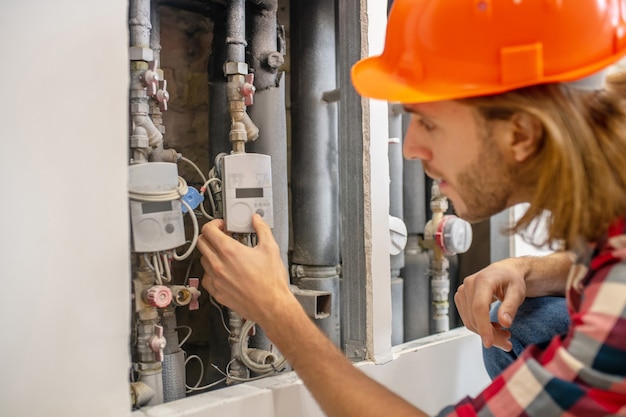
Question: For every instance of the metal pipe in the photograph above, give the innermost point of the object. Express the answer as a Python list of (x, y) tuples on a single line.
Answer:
[(173, 359), (314, 166), (396, 209), (416, 259), (145, 320), (314, 161), (266, 50), (236, 31), (139, 23)]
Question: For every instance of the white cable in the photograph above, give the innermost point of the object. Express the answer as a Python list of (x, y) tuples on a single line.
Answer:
[(157, 267), (194, 240), (205, 188), (212, 300), (153, 196), (242, 346), (201, 371), (187, 336), (166, 267), (190, 162)]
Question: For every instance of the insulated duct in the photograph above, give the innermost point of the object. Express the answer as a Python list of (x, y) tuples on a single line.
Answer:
[(314, 155)]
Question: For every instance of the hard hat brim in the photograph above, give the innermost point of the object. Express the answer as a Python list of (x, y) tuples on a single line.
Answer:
[(373, 78)]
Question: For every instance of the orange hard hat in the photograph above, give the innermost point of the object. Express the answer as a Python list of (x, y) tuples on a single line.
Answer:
[(449, 49)]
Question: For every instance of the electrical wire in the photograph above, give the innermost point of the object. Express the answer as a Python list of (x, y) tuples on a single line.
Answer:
[(219, 308), (190, 162), (166, 267), (201, 371), (196, 231), (187, 336), (155, 196), (260, 368), (205, 188), (157, 268)]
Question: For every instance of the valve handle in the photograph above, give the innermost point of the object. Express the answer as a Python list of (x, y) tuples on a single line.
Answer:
[(150, 78), (248, 89), (163, 96), (194, 283), (158, 296), (157, 343)]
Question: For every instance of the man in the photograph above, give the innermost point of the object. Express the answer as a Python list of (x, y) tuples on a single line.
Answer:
[(497, 122)]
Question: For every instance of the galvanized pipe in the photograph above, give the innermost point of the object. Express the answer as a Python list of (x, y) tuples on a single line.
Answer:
[(236, 31)]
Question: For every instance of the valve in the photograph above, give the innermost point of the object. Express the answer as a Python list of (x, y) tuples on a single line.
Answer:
[(194, 283), (163, 96), (158, 296), (248, 89), (150, 78), (157, 343), (453, 235)]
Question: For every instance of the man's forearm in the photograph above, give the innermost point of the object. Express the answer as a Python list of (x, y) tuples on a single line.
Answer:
[(546, 275), (339, 387)]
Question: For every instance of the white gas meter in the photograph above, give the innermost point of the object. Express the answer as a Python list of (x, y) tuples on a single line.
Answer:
[(156, 216), (247, 189)]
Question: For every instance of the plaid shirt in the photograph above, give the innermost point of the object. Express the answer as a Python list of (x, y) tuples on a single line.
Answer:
[(582, 373)]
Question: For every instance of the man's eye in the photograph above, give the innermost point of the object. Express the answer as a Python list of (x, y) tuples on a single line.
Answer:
[(426, 125)]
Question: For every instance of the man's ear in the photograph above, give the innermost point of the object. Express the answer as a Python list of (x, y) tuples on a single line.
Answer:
[(527, 135)]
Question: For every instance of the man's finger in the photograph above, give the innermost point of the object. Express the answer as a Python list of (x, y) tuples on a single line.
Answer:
[(263, 231), (513, 298)]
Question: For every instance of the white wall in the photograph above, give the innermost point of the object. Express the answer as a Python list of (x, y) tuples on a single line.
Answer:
[(65, 269), (64, 266)]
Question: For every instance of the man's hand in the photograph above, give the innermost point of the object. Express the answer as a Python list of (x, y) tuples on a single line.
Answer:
[(251, 281), (502, 281)]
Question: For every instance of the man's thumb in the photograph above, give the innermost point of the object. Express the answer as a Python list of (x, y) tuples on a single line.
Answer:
[(262, 229)]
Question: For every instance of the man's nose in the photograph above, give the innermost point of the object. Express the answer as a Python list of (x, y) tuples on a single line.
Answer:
[(415, 146)]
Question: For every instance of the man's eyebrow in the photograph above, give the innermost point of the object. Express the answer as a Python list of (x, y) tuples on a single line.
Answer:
[(409, 110)]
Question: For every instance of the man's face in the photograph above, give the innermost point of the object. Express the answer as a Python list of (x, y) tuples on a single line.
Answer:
[(458, 150)]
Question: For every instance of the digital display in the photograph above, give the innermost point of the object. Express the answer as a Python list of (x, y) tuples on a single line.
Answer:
[(156, 207), (249, 192)]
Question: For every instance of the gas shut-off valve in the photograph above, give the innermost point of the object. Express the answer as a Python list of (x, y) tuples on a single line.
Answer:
[(448, 233), (445, 235)]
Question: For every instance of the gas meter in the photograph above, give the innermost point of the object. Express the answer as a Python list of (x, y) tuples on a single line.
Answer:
[(247, 189)]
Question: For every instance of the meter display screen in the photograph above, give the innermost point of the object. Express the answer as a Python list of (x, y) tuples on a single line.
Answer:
[(156, 207), (249, 192)]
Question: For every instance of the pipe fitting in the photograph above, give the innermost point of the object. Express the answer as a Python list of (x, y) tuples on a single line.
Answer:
[(165, 155), (181, 295), (155, 138), (235, 68), (260, 356), (274, 60), (140, 394)]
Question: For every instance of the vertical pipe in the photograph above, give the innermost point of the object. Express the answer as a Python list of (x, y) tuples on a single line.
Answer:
[(314, 141), (396, 209), (268, 111), (416, 304), (173, 359), (314, 161), (354, 285), (219, 118), (236, 31)]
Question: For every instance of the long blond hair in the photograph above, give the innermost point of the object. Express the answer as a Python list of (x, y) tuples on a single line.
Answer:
[(579, 172)]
